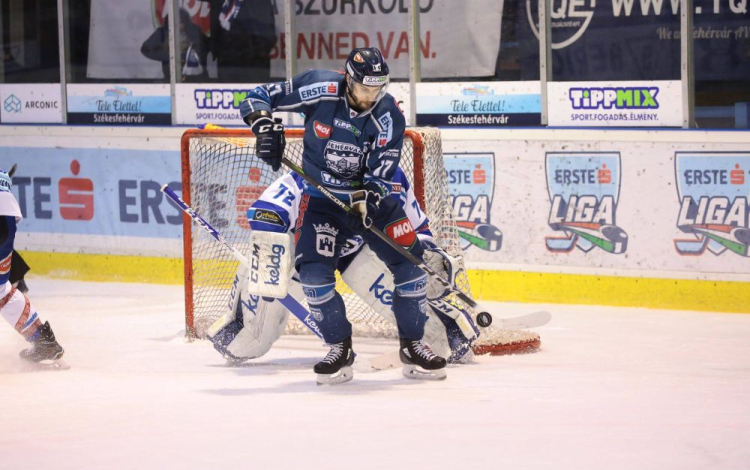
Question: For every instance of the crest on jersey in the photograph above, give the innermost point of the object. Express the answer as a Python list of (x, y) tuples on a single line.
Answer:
[(471, 178), (713, 191), (344, 159), (584, 190)]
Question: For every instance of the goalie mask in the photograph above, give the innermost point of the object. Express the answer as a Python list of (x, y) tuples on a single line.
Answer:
[(367, 78)]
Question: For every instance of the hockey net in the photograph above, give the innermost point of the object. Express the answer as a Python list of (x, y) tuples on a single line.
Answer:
[(222, 177)]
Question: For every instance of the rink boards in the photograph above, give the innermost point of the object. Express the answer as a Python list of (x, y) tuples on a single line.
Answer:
[(655, 218)]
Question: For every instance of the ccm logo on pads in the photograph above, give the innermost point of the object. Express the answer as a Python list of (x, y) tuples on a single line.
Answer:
[(402, 233), (321, 130)]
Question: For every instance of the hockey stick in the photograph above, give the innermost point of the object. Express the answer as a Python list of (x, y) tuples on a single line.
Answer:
[(13, 170), (289, 302), (483, 318), (391, 360)]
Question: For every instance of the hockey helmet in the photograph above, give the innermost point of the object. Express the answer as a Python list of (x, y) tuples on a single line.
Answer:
[(368, 76)]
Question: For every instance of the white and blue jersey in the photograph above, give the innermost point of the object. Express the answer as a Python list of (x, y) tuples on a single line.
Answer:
[(277, 208), (342, 148)]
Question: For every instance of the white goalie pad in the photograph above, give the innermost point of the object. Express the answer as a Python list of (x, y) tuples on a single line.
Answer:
[(270, 263), (251, 324)]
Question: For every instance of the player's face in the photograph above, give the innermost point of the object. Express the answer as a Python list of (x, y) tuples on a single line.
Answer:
[(362, 97)]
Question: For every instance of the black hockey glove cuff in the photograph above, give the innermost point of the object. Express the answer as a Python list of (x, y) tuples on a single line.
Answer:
[(269, 138)]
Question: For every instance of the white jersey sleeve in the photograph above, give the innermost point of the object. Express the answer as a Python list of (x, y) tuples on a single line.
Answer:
[(408, 200), (276, 209)]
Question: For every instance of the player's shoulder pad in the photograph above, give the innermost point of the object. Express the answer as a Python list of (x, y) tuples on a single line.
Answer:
[(298, 180), (389, 105), (316, 83)]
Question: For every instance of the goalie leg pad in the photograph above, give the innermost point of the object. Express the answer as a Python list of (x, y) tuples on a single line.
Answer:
[(326, 305), (270, 263), (251, 325), (458, 328)]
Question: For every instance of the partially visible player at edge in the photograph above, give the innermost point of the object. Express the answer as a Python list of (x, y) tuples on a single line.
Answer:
[(15, 306), (354, 133)]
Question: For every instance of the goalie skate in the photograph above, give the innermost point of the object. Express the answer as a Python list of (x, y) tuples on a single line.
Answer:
[(420, 362), (336, 367)]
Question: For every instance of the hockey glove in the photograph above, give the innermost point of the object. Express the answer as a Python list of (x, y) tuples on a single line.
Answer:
[(269, 139), (445, 265), (365, 203)]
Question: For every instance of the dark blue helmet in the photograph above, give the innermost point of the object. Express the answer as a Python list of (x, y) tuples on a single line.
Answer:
[(367, 66), (369, 76)]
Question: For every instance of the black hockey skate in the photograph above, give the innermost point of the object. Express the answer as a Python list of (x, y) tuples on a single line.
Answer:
[(45, 348), (336, 367), (420, 362)]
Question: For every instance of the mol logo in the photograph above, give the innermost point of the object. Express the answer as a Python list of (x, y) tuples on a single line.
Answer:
[(584, 190), (569, 20), (471, 179), (402, 233), (618, 98), (215, 98), (713, 190)]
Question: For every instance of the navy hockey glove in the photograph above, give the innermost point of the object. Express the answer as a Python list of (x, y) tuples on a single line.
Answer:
[(365, 203), (269, 139)]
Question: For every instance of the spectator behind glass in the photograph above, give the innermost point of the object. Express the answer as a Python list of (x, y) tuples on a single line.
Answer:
[(193, 49), (243, 32)]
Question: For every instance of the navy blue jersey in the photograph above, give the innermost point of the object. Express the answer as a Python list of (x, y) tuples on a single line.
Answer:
[(342, 148)]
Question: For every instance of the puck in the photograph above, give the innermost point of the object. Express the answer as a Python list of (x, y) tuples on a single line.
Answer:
[(484, 319)]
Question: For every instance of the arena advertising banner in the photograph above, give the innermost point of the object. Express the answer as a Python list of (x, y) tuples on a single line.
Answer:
[(466, 104), (454, 35), (128, 39), (220, 104), (584, 189), (471, 178), (616, 104), (95, 193), (26, 103), (125, 105), (630, 39), (602, 207), (713, 190)]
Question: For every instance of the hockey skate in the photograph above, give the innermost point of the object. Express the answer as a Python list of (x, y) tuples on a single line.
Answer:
[(420, 362), (336, 367), (46, 351)]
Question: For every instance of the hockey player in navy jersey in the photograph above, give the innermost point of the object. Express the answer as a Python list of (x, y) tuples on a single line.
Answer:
[(15, 307), (253, 323), (354, 133)]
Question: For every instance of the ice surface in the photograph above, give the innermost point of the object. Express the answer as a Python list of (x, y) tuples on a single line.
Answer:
[(611, 389)]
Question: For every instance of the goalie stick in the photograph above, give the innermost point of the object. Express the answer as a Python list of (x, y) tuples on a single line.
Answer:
[(483, 318), (391, 360), (289, 302)]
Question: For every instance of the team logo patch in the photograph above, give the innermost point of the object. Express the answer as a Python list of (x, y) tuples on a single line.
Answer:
[(713, 190), (471, 178), (316, 90), (584, 190), (344, 159), (347, 126), (325, 242), (321, 130), (401, 232), (358, 58), (267, 216)]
